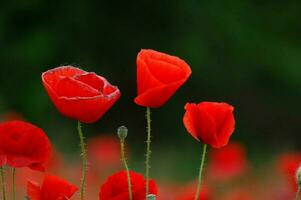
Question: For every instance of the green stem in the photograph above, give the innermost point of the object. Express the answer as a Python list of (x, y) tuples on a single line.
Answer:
[(3, 183), (197, 194), (14, 183), (298, 193), (148, 151), (84, 160), (125, 165)]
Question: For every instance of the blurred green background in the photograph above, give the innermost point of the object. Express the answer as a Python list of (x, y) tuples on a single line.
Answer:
[(247, 53)]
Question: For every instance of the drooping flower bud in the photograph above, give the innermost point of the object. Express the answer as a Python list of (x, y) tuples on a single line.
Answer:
[(122, 132)]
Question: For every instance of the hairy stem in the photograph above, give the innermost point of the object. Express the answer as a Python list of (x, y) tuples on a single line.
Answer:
[(197, 194), (148, 151), (125, 165), (84, 161)]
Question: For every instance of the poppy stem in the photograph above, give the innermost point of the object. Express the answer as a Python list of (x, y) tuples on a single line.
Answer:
[(148, 151), (84, 160), (197, 194), (298, 193), (14, 183), (3, 183), (125, 165)]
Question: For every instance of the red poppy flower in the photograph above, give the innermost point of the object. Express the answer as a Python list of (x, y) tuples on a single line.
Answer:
[(159, 75), (228, 162), (78, 94), (167, 190), (288, 164), (116, 187), (211, 122), (23, 145), (52, 188), (104, 151)]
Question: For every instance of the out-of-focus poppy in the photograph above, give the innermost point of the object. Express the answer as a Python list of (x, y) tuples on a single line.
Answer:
[(52, 188), (104, 151), (23, 145), (116, 187), (227, 162), (288, 164)]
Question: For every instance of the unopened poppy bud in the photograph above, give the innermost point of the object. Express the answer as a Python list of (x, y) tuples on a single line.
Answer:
[(122, 132), (298, 176), (151, 197)]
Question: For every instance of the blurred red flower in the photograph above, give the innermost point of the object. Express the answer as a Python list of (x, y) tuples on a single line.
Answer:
[(78, 94), (54, 164), (167, 190), (288, 164), (104, 151), (116, 187), (52, 188), (23, 145), (159, 75), (228, 162), (188, 193), (211, 122)]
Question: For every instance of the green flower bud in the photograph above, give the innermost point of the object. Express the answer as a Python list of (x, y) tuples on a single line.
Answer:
[(122, 132)]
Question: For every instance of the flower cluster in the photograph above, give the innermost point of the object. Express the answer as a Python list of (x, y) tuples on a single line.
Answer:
[(86, 97)]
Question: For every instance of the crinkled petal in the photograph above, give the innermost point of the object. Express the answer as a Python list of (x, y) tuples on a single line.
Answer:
[(71, 88), (80, 95)]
